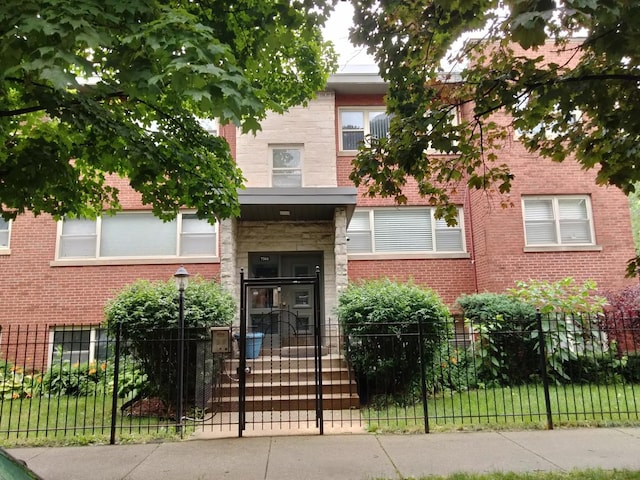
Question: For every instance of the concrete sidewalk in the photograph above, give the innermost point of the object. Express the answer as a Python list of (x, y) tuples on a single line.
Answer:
[(338, 457)]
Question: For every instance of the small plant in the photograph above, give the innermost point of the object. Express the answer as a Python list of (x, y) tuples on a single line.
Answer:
[(15, 384), (76, 380), (132, 382)]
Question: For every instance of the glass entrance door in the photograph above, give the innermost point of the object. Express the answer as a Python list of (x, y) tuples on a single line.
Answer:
[(281, 311)]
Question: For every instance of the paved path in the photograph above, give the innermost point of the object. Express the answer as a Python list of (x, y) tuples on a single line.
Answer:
[(346, 456)]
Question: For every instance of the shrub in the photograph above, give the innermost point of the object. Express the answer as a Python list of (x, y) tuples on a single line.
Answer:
[(149, 317), (570, 321), (503, 353), (380, 320), (622, 319)]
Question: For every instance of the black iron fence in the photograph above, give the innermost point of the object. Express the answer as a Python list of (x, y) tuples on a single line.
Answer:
[(544, 370), (57, 382)]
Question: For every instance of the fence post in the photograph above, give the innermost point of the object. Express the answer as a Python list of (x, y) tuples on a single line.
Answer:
[(116, 379), (543, 369), (423, 379)]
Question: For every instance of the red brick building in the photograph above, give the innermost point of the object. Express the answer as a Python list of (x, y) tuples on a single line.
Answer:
[(300, 211)]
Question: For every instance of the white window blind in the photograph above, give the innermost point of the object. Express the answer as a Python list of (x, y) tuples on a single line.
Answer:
[(557, 220), (574, 221), (78, 238), (397, 230), (360, 233), (197, 237), (137, 234), (448, 239), (408, 231)]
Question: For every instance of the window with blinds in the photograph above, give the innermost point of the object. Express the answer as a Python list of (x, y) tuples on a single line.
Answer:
[(137, 234), (398, 230), (5, 230), (558, 220)]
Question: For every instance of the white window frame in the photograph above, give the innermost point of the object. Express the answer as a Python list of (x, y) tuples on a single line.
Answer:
[(93, 342), (143, 258), (435, 225), (366, 127), (556, 220), (6, 249), (273, 170)]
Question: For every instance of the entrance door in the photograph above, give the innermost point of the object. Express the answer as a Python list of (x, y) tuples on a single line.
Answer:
[(282, 310)]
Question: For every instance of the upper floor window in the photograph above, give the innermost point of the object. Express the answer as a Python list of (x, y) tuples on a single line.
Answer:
[(5, 233), (286, 166), (405, 229), (558, 220), (358, 123), (137, 234)]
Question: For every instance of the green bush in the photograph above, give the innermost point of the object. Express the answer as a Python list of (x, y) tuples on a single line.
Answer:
[(504, 352), (148, 314), (631, 370), (380, 320)]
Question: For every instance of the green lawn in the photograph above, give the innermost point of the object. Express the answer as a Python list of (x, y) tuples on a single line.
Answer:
[(518, 407), (46, 420)]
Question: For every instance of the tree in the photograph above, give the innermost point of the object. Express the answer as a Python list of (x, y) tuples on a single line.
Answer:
[(94, 88), (584, 106)]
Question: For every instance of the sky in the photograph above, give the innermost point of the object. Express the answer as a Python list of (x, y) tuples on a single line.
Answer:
[(337, 30)]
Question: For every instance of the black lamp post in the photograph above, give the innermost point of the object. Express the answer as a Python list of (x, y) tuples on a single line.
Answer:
[(182, 279)]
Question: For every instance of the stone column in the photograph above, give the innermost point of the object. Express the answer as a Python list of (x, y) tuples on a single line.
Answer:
[(341, 265), (229, 274)]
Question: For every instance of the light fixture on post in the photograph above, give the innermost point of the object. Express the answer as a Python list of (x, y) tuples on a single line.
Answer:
[(182, 279)]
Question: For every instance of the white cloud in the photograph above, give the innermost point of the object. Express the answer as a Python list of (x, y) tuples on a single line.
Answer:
[(351, 58)]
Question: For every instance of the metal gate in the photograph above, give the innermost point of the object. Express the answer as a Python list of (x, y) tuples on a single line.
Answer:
[(288, 332)]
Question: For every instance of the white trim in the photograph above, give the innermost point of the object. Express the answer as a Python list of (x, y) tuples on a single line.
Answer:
[(5, 250), (366, 110), (556, 223)]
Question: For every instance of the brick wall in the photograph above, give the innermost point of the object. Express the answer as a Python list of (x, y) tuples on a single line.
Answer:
[(495, 235), (36, 293)]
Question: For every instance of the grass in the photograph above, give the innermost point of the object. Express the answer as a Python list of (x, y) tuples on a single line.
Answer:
[(592, 474), (513, 408), (83, 420), (50, 421)]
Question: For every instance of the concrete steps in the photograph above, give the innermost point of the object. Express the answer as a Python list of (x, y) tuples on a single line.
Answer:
[(278, 383)]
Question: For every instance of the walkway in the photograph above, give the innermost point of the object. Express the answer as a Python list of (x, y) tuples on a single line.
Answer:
[(342, 457)]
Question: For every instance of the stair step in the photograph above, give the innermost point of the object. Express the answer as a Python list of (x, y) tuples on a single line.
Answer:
[(280, 383), (288, 403), (289, 388)]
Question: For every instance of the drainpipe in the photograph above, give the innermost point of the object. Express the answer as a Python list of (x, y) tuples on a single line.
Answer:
[(473, 243)]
